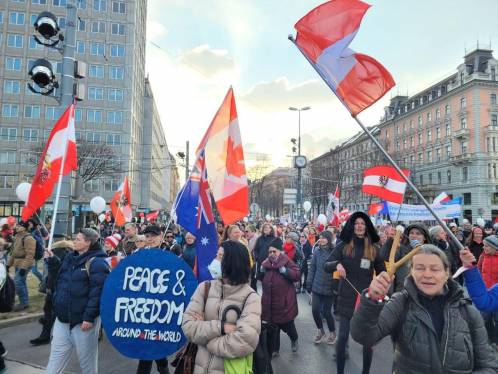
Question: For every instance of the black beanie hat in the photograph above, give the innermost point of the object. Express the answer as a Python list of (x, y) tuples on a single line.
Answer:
[(276, 243)]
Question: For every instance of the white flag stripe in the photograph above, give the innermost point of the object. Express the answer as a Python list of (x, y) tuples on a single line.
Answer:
[(391, 185)]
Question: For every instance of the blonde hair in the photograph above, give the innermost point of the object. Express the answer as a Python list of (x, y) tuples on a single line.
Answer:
[(369, 249)]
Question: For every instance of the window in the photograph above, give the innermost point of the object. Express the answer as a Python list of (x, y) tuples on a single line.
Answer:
[(30, 135), (98, 26), (438, 113), (100, 5), (62, 22), (463, 102), (492, 99), (7, 181), (119, 7), (81, 24), (494, 199), (97, 49), (117, 29), (81, 4), (115, 94), (111, 185), (467, 198), (463, 146), (113, 139), (438, 132), (95, 93), (94, 116), (96, 71), (412, 142), (419, 120), (93, 137), (448, 129), (429, 135), (429, 117), (448, 175), (8, 134), (16, 18), (50, 112), (10, 110), (59, 2), (39, 2), (15, 40), (1, 16), (78, 114), (447, 109), (12, 87), (430, 178), (404, 144), (493, 74), (429, 156), (117, 50), (32, 44), (412, 159), (421, 179), (80, 47), (92, 185), (494, 171), (419, 138), (448, 152), (116, 72), (438, 154), (420, 158), (13, 63), (8, 157), (115, 118), (439, 179), (463, 123), (32, 111)]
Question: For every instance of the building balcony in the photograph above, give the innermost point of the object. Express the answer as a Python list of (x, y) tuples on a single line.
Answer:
[(491, 130), (463, 158), (461, 133), (431, 187)]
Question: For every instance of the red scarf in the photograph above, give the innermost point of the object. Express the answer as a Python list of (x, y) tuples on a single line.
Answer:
[(290, 250)]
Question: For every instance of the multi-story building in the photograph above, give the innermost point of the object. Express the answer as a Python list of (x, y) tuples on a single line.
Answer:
[(111, 40), (447, 135)]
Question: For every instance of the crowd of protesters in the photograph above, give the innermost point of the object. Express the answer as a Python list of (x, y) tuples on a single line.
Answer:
[(263, 266)]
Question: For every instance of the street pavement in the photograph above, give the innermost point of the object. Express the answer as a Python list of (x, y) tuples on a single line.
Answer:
[(310, 358)]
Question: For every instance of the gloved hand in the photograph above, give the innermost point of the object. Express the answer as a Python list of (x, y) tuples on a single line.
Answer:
[(282, 270), (22, 272)]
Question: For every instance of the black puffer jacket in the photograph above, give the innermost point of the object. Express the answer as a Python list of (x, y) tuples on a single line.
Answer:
[(463, 347), (261, 247)]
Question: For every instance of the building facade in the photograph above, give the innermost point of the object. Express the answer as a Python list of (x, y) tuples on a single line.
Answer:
[(446, 135), (111, 39)]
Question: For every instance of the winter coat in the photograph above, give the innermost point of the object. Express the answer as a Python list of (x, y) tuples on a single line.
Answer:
[(128, 245), (212, 345), (77, 292), (260, 251), (476, 249), (319, 281), (463, 347), (307, 250), (188, 254), (484, 300), (279, 300), (488, 267), (59, 249), (359, 277), (23, 252), (403, 271), (451, 251), (173, 247)]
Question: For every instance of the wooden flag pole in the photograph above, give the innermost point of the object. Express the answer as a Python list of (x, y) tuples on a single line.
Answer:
[(392, 254), (384, 152)]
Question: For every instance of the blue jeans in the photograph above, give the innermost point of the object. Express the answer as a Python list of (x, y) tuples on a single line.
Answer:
[(36, 272), (21, 286)]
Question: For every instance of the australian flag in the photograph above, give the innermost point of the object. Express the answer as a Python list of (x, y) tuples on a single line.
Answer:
[(194, 213)]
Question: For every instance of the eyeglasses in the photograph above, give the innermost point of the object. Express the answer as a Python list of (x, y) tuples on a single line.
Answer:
[(168, 237)]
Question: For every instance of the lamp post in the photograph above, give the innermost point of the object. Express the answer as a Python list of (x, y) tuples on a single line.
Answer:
[(299, 161)]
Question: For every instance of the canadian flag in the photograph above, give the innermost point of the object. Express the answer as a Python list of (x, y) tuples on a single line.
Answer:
[(385, 182), (58, 157), (121, 204)]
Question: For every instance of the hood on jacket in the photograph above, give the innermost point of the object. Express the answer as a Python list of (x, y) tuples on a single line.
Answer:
[(328, 235), (419, 226), (347, 232)]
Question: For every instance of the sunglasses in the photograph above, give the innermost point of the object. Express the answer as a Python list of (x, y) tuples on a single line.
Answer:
[(168, 236)]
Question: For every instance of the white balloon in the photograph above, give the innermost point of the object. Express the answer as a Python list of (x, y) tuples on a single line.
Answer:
[(101, 217), (22, 191), (245, 219), (322, 219), (97, 204), (268, 217), (3, 221), (307, 206)]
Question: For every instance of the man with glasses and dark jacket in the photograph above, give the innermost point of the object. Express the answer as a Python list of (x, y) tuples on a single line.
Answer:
[(170, 244)]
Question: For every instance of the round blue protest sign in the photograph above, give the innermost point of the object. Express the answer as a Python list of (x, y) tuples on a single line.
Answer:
[(143, 302)]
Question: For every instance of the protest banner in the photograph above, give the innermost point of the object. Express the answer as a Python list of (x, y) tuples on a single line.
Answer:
[(143, 302), (449, 210)]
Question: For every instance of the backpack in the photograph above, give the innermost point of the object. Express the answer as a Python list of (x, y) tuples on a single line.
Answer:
[(40, 246), (88, 263)]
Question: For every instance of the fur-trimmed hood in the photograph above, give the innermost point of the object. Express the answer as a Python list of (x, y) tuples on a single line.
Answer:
[(347, 232), (63, 244)]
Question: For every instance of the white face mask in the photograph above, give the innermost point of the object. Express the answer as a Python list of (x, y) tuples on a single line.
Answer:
[(215, 268)]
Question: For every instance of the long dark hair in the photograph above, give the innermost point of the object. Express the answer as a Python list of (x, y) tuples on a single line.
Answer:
[(235, 265)]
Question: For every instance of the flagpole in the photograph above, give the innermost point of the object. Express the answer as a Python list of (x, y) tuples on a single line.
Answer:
[(173, 208), (384, 152)]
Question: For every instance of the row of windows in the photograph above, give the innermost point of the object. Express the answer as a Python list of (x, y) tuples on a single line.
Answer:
[(97, 5), (33, 135), (113, 94), (114, 117), (438, 178), (109, 185)]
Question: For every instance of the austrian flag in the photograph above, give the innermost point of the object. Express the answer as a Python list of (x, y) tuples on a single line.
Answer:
[(385, 182)]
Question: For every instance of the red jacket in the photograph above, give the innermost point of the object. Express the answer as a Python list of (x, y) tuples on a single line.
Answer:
[(488, 266)]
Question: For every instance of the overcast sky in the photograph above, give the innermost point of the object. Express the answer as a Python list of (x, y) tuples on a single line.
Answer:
[(197, 49)]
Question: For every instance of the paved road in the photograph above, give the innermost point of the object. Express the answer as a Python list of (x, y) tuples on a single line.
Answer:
[(309, 359)]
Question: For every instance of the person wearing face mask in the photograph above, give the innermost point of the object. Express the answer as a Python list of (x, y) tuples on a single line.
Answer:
[(434, 327), (474, 241), (439, 239), (355, 258), (279, 302)]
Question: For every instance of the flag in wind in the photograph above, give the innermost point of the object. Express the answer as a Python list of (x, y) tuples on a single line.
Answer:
[(58, 156), (333, 208), (195, 213), (224, 158), (324, 35), (385, 182), (441, 198), (121, 204)]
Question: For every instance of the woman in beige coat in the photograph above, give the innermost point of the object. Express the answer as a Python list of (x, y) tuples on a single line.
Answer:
[(237, 337)]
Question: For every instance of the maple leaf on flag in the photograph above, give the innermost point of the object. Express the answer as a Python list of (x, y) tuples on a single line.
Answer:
[(235, 159)]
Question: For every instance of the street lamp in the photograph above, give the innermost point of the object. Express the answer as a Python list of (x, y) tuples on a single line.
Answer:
[(299, 160)]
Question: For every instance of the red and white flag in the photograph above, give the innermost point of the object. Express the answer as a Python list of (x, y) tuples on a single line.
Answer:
[(225, 165), (375, 208), (152, 216), (385, 182), (121, 204), (333, 208), (58, 156), (441, 198), (344, 215)]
